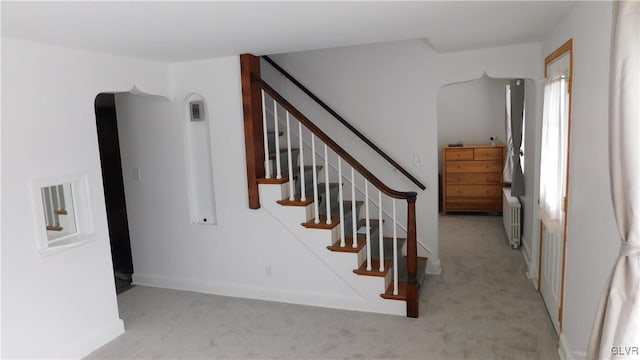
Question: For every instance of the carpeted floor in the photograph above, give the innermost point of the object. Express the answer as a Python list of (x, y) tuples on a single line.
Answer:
[(481, 307)]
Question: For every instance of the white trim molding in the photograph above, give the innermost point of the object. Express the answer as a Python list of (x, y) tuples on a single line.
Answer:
[(79, 202), (567, 353)]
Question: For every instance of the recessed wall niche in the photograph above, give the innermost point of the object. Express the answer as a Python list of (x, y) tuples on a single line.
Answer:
[(199, 160)]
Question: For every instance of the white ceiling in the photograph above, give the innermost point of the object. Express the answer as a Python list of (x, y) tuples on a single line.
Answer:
[(180, 31)]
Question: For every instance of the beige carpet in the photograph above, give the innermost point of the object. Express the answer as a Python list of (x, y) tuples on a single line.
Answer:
[(481, 307)]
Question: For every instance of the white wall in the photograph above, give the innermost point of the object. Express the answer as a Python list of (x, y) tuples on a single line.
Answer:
[(232, 257), (389, 91), (593, 240), (471, 112), (62, 305)]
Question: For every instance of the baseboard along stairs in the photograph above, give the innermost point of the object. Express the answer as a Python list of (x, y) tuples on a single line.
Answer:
[(352, 221)]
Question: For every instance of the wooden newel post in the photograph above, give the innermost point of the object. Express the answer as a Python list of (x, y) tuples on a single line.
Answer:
[(412, 260), (253, 136)]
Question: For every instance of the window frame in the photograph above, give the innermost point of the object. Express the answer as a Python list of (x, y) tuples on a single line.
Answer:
[(81, 204)]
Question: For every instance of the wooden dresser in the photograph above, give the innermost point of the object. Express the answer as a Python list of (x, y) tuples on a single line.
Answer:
[(472, 178)]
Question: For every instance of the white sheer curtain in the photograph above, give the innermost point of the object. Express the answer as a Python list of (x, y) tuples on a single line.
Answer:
[(507, 174), (616, 329), (553, 162)]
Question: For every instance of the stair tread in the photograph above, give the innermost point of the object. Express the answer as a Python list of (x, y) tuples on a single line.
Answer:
[(375, 265), (280, 133), (402, 292), (296, 201), (61, 212), (402, 282), (335, 220), (273, 180), (54, 228), (348, 248)]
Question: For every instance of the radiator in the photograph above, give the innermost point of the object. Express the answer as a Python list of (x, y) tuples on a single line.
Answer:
[(511, 217)]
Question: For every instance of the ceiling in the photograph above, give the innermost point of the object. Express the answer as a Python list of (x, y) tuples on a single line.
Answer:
[(182, 31)]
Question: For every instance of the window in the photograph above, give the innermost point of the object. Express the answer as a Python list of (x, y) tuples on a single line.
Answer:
[(61, 208), (515, 123), (554, 150)]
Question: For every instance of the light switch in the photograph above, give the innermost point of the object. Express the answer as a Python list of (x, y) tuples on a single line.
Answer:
[(417, 160)]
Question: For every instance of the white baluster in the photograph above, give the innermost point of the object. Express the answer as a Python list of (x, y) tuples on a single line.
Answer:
[(353, 211), (52, 207), (326, 184), (277, 135), (267, 168), (380, 232), (341, 202), (303, 196), (395, 250), (46, 207), (289, 160), (315, 179), (367, 223), (60, 192)]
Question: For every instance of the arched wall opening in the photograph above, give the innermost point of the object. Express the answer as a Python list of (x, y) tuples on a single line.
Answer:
[(471, 112)]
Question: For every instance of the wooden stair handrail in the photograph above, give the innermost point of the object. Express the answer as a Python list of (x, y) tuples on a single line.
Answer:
[(345, 123), (405, 195)]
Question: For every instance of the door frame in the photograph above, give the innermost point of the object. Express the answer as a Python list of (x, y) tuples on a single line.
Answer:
[(564, 49)]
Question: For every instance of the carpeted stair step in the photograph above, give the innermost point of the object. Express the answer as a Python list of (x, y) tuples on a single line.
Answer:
[(348, 219), (322, 197), (374, 223), (308, 179), (283, 154), (284, 166), (387, 242), (284, 161), (402, 268), (271, 140)]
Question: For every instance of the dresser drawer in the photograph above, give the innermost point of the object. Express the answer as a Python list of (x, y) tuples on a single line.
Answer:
[(474, 178), (473, 204), (488, 153), (493, 191), (474, 166), (458, 154)]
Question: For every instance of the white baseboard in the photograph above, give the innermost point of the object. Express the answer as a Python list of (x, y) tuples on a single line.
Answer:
[(433, 266), (532, 274), (93, 341), (526, 254), (334, 301), (567, 353)]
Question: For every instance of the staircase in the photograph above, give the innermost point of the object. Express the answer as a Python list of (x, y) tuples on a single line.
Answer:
[(327, 199), (58, 212)]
